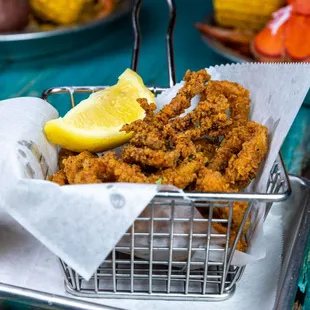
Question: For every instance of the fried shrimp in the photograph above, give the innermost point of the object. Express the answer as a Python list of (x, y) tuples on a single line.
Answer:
[(231, 145), (183, 175), (206, 146), (238, 99), (64, 154), (148, 132), (74, 164), (109, 168), (150, 158), (212, 148), (59, 177), (212, 181), (194, 85), (243, 167)]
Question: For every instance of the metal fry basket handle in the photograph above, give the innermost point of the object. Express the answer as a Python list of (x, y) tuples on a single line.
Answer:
[(169, 38)]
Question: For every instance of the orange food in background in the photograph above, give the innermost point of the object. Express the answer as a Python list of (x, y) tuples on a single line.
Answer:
[(269, 47), (297, 38), (287, 36), (300, 6)]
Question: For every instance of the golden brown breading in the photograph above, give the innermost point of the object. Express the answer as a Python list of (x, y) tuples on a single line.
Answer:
[(232, 144), (242, 243), (119, 171), (238, 99), (130, 174), (212, 181), (74, 164), (152, 139), (142, 133), (194, 85), (108, 168), (211, 116), (148, 157), (206, 146), (149, 132), (183, 175), (243, 167), (185, 151), (59, 177), (208, 114), (64, 154), (92, 172)]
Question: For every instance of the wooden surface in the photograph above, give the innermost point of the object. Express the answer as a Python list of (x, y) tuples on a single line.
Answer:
[(101, 63)]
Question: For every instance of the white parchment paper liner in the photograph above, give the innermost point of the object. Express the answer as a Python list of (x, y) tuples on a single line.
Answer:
[(82, 223)]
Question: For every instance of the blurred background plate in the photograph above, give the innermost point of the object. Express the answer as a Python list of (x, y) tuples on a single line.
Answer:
[(29, 45), (231, 54), (224, 51), (220, 48)]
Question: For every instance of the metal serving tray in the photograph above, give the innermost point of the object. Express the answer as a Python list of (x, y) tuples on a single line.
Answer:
[(296, 219)]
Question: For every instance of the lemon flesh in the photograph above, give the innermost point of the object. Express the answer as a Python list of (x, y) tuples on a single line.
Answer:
[(95, 123)]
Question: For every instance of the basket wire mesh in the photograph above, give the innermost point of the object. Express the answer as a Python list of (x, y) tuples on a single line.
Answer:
[(140, 266)]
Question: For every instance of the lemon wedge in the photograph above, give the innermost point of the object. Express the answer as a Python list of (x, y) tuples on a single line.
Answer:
[(95, 123)]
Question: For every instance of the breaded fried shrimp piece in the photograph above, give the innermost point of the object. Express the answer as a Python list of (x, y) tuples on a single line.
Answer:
[(206, 146), (93, 171), (108, 168), (152, 139), (119, 171), (59, 177), (149, 109), (142, 133), (231, 144), (194, 85), (149, 132), (64, 154), (184, 145), (209, 115), (74, 164), (238, 99), (183, 175), (148, 157), (127, 173), (243, 167), (211, 181)]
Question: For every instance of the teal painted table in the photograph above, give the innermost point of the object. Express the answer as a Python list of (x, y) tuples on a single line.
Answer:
[(101, 63)]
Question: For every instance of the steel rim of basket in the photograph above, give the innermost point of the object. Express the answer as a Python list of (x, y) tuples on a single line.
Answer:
[(278, 177)]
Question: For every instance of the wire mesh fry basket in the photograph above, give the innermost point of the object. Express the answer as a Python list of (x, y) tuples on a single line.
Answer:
[(155, 259)]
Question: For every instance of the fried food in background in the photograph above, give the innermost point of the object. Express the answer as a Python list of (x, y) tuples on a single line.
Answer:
[(45, 15), (236, 39), (213, 148)]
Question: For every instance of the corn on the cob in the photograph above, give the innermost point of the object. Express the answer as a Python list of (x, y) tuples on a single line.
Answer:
[(58, 11), (245, 14)]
